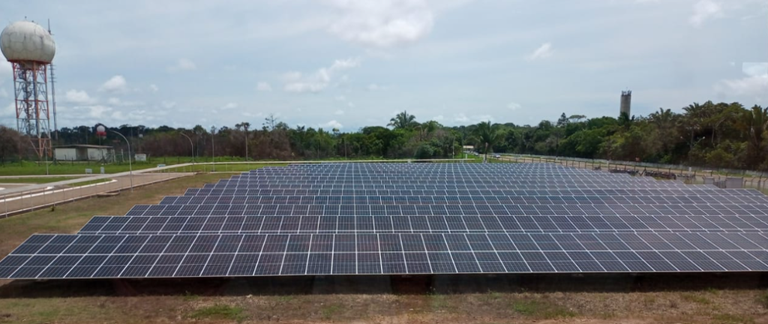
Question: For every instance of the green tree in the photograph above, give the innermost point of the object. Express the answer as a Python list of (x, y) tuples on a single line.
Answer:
[(403, 120), (754, 123), (487, 135)]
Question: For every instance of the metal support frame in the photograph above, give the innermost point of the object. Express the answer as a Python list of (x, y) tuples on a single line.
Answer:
[(30, 82)]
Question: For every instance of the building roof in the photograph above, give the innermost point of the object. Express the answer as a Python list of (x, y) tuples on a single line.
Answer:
[(84, 146)]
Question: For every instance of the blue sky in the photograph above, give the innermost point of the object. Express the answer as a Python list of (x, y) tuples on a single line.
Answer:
[(352, 63)]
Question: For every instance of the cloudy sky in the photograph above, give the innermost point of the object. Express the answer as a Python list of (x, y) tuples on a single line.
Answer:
[(351, 63)]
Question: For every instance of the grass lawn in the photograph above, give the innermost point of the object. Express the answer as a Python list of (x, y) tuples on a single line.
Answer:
[(66, 168), (222, 167), (35, 180)]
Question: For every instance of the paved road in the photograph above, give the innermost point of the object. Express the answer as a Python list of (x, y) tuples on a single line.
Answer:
[(20, 199), (13, 204), (16, 191)]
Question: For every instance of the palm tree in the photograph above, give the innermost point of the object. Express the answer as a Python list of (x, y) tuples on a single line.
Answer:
[(426, 128), (488, 135), (754, 123), (664, 121), (403, 121), (245, 126)]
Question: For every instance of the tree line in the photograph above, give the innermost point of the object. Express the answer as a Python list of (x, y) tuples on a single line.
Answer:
[(717, 135)]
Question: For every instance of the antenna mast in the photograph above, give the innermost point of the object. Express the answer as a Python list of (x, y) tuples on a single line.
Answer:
[(53, 93)]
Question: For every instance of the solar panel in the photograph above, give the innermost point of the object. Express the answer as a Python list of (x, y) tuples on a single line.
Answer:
[(47, 256), (401, 218)]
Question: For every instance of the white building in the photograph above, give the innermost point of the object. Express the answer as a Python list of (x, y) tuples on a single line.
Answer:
[(81, 152)]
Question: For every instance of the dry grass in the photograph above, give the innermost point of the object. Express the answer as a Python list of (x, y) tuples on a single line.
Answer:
[(69, 218), (248, 303), (219, 312), (236, 305)]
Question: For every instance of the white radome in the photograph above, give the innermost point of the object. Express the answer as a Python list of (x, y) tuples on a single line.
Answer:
[(27, 41)]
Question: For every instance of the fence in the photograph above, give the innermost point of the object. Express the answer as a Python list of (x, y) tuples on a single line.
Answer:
[(16, 201), (691, 175)]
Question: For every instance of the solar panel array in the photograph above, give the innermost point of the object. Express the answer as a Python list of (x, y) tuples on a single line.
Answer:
[(389, 219)]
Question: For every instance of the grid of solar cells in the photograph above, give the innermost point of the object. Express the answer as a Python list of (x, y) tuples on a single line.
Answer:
[(139, 256), (403, 218)]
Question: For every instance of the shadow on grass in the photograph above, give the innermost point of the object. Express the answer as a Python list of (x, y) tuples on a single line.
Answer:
[(407, 285)]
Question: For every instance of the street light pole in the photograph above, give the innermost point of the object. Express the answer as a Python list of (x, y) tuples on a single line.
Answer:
[(192, 145), (130, 167), (213, 148)]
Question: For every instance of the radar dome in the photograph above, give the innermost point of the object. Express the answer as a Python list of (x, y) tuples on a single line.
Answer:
[(27, 41)]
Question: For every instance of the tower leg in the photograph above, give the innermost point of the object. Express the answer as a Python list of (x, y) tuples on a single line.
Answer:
[(31, 99)]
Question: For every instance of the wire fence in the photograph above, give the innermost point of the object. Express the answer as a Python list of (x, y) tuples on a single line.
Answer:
[(691, 175)]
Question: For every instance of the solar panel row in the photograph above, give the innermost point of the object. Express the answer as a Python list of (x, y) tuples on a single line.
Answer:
[(138, 256), (401, 218), (455, 199), (415, 208), (403, 191), (417, 224)]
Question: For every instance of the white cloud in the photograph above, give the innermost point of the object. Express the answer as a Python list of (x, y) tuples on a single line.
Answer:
[(544, 51), (460, 118), (753, 85), (755, 68), (703, 11), (340, 98), (350, 105), (168, 104), (469, 120), (116, 84), (118, 115), (247, 114), (78, 97), (114, 101), (382, 23), (482, 118), (513, 106), (263, 87), (6, 71), (438, 118), (375, 87), (183, 64), (339, 112), (97, 111), (230, 105), (332, 124), (153, 88), (3, 93), (321, 79), (291, 76), (9, 110)]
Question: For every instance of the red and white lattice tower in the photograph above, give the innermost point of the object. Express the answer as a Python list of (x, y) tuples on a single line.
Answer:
[(30, 49)]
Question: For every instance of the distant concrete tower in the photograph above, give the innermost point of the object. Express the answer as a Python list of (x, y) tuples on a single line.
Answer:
[(30, 49), (626, 103)]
